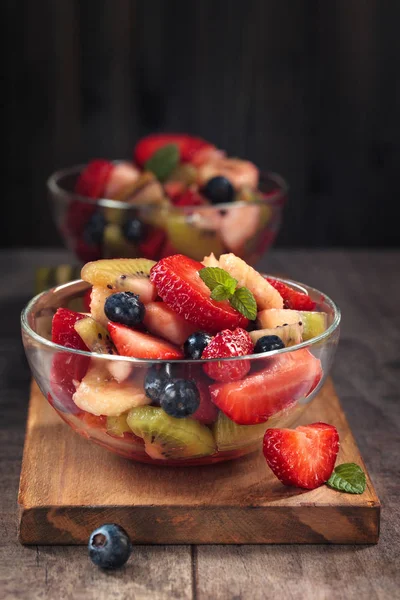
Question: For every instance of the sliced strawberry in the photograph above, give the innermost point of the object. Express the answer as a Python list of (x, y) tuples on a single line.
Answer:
[(63, 332), (227, 344), (189, 198), (292, 298), (286, 378), (207, 412), (188, 146), (162, 321), (179, 284), (174, 189), (151, 246), (303, 457), (93, 179), (87, 299), (141, 345)]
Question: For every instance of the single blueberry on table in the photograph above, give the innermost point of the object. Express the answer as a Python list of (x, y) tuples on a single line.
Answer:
[(219, 190), (109, 546), (180, 398), (195, 344), (125, 308), (267, 343)]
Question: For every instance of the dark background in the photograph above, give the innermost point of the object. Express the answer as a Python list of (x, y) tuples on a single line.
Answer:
[(307, 88)]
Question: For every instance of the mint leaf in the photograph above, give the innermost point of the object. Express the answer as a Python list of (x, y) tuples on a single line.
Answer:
[(349, 478), (163, 161), (244, 302), (213, 276), (220, 292)]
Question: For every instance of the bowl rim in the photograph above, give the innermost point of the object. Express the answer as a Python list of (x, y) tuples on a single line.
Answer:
[(141, 361), (276, 199)]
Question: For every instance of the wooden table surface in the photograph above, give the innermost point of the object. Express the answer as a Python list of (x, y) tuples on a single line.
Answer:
[(366, 285)]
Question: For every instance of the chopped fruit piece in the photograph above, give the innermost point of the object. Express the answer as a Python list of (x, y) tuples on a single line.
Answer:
[(188, 146), (207, 154), (188, 198), (228, 344), (292, 298), (168, 250), (180, 286), (286, 378), (98, 298), (196, 344), (168, 438), (86, 299), (266, 296), (94, 229), (118, 426), (186, 174), (151, 245), (122, 275), (115, 244), (125, 308), (93, 179), (289, 334), (86, 252), (129, 191), (207, 412), (134, 230), (162, 321), (314, 324), (122, 175), (230, 436), (218, 190), (174, 189), (180, 398), (303, 457), (276, 317), (241, 173), (63, 330), (210, 261), (78, 214), (268, 343), (186, 236), (141, 345), (240, 226), (94, 336), (155, 381), (100, 394)]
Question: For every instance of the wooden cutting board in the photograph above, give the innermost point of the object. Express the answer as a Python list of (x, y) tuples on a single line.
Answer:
[(70, 486)]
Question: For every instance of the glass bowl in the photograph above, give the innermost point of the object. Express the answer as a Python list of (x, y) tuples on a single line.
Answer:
[(247, 228), (212, 438)]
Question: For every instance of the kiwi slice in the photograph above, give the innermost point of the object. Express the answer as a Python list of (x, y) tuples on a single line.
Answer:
[(314, 323), (118, 274), (190, 239), (95, 336), (115, 244), (166, 437), (289, 334), (230, 436), (118, 425)]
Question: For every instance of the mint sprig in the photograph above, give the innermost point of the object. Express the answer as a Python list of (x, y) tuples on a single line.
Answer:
[(349, 478), (224, 287), (163, 161)]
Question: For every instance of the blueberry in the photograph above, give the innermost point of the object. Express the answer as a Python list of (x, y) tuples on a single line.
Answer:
[(109, 546), (195, 344), (218, 190), (267, 343), (180, 398), (155, 381), (94, 229), (134, 230), (125, 308)]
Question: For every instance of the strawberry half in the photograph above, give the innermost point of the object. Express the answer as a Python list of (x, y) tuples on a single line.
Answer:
[(286, 378), (63, 332), (207, 412), (188, 146), (93, 179), (226, 344), (303, 457), (179, 284), (292, 298), (130, 342)]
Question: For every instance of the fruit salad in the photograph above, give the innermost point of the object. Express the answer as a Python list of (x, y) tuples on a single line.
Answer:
[(179, 194), (186, 362)]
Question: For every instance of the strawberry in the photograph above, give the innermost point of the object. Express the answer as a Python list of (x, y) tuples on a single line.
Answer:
[(207, 412), (87, 299), (174, 189), (130, 342), (188, 146), (292, 298), (225, 344), (93, 179), (63, 332), (162, 321), (179, 284), (285, 379), (303, 457), (151, 246), (167, 250), (188, 198)]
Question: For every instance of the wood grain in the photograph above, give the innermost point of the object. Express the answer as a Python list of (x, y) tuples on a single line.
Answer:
[(63, 497)]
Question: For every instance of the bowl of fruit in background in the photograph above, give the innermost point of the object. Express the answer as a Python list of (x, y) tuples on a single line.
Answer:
[(179, 194), (179, 362)]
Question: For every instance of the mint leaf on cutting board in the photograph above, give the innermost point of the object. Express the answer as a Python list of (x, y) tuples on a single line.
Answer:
[(349, 478)]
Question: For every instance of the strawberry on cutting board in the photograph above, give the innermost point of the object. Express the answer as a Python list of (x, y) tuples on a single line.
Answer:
[(179, 284), (303, 457), (188, 146), (285, 379), (130, 342), (224, 345)]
